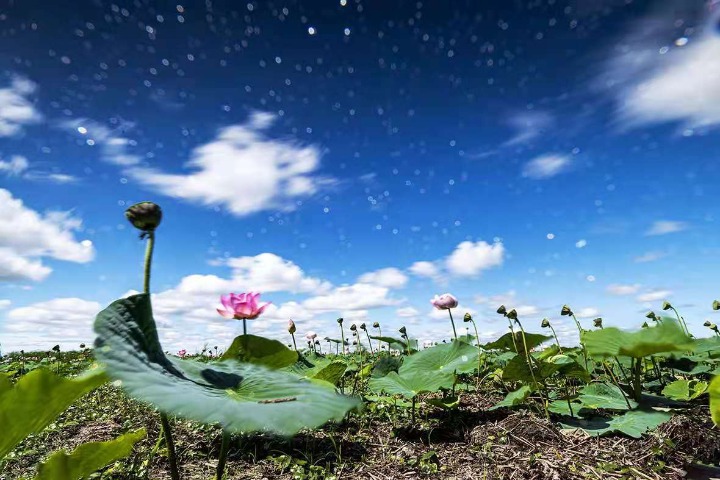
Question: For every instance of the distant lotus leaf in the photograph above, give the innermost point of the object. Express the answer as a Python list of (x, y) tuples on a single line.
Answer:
[(260, 351), (668, 336), (506, 342), (685, 390)]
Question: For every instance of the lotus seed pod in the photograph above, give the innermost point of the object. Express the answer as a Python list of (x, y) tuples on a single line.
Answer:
[(666, 305), (403, 330), (644, 325), (376, 325), (566, 311), (467, 318), (145, 216), (363, 326), (56, 348), (353, 327), (502, 310), (597, 322), (707, 323), (716, 305), (512, 314), (651, 315), (545, 323), (340, 320)]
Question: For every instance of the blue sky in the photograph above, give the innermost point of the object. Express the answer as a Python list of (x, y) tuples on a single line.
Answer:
[(351, 158)]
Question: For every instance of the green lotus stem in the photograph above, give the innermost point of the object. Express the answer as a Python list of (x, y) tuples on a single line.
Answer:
[(580, 330), (477, 337), (558, 343), (657, 370), (413, 412), (164, 421), (453, 324), (529, 359), (244, 326), (369, 342), (224, 447), (681, 320), (342, 338), (637, 379), (293, 339), (614, 379), (512, 334)]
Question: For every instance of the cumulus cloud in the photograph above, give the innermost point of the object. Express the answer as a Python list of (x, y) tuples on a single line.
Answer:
[(360, 296), (618, 289), (16, 110), (425, 269), (5, 303), (15, 166), (546, 166), (471, 258), (64, 321), (587, 312), (407, 312), (242, 170), (27, 236), (663, 227), (386, 277)]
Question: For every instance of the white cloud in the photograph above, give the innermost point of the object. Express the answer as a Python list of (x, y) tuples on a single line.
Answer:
[(654, 296), (242, 170), (529, 126), (650, 257), (27, 236), (663, 227), (15, 166), (57, 178), (269, 272), (64, 321), (546, 166), (471, 258), (587, 312), (407, 312), (16, 110), (386, 277), (617, 289), (425, 269), (360, 296), (4, 304)]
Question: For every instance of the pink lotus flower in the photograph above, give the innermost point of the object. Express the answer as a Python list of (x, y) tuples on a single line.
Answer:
[(241, 306), (444, 302), (311, 335), (182, 353)]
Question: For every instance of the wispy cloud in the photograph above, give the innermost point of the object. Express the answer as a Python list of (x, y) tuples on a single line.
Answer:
[(654, 296), (528, 126), (15, 166), (663, 227), (546, 166), (16, 110), (650, 257), (618, 289)]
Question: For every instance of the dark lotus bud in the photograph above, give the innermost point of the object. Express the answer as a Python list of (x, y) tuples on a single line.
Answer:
[(512, 314), (644, 325), (707, 323), (145, 216), (651, 315), (308, 342), (467, 318), (354, 342), (566, 311), (403, 330), (82, 345), (363, 327), (354, 334), (317, 342), (545, 323), (56, 348), (597, 322), (346, 342), (716, 305), (376, 325), (353, 327), (501, 310), (340, 321), (666, 305)]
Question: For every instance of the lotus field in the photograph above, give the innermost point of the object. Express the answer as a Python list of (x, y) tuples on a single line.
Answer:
[(362, 402)]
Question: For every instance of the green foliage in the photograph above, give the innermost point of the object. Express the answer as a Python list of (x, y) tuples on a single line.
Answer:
[(685, 390), (634, 423), (240, 397), (318, 367), (514, 399), (36, 399), (260, 351), (714, 391), (605, 396), (88, 458), (506, 342), (609, 342)]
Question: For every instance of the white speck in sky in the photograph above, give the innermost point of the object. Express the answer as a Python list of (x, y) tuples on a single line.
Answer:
[(581, 243), (550, 236), (311, 30)]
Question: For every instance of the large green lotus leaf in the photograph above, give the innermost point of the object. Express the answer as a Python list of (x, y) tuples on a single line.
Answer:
[(409, 386), (513, 399), (605, 396), (608, 342), (506, 342), (240, 397), (36, 400), (396, 343), (714, 391), (260, 351), (318, 367), (710, 345), (634, 423), (385, 365), (517, 369), (446, 359), (88, 458), (685, 389)]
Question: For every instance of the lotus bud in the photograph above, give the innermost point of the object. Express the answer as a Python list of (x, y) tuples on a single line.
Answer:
[(340, 321), (651, 316), (317, 342), (598, 322), (145, 216), (353, 327), (644, 325), (291, 327), (376, 325), (716, 305), (566, 311), (666, 305), (354, 342), (467, 318), (512, 314), (502, 310), (56, 348), (707, 323), (545, 323), (363, 326), (403, 330)]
